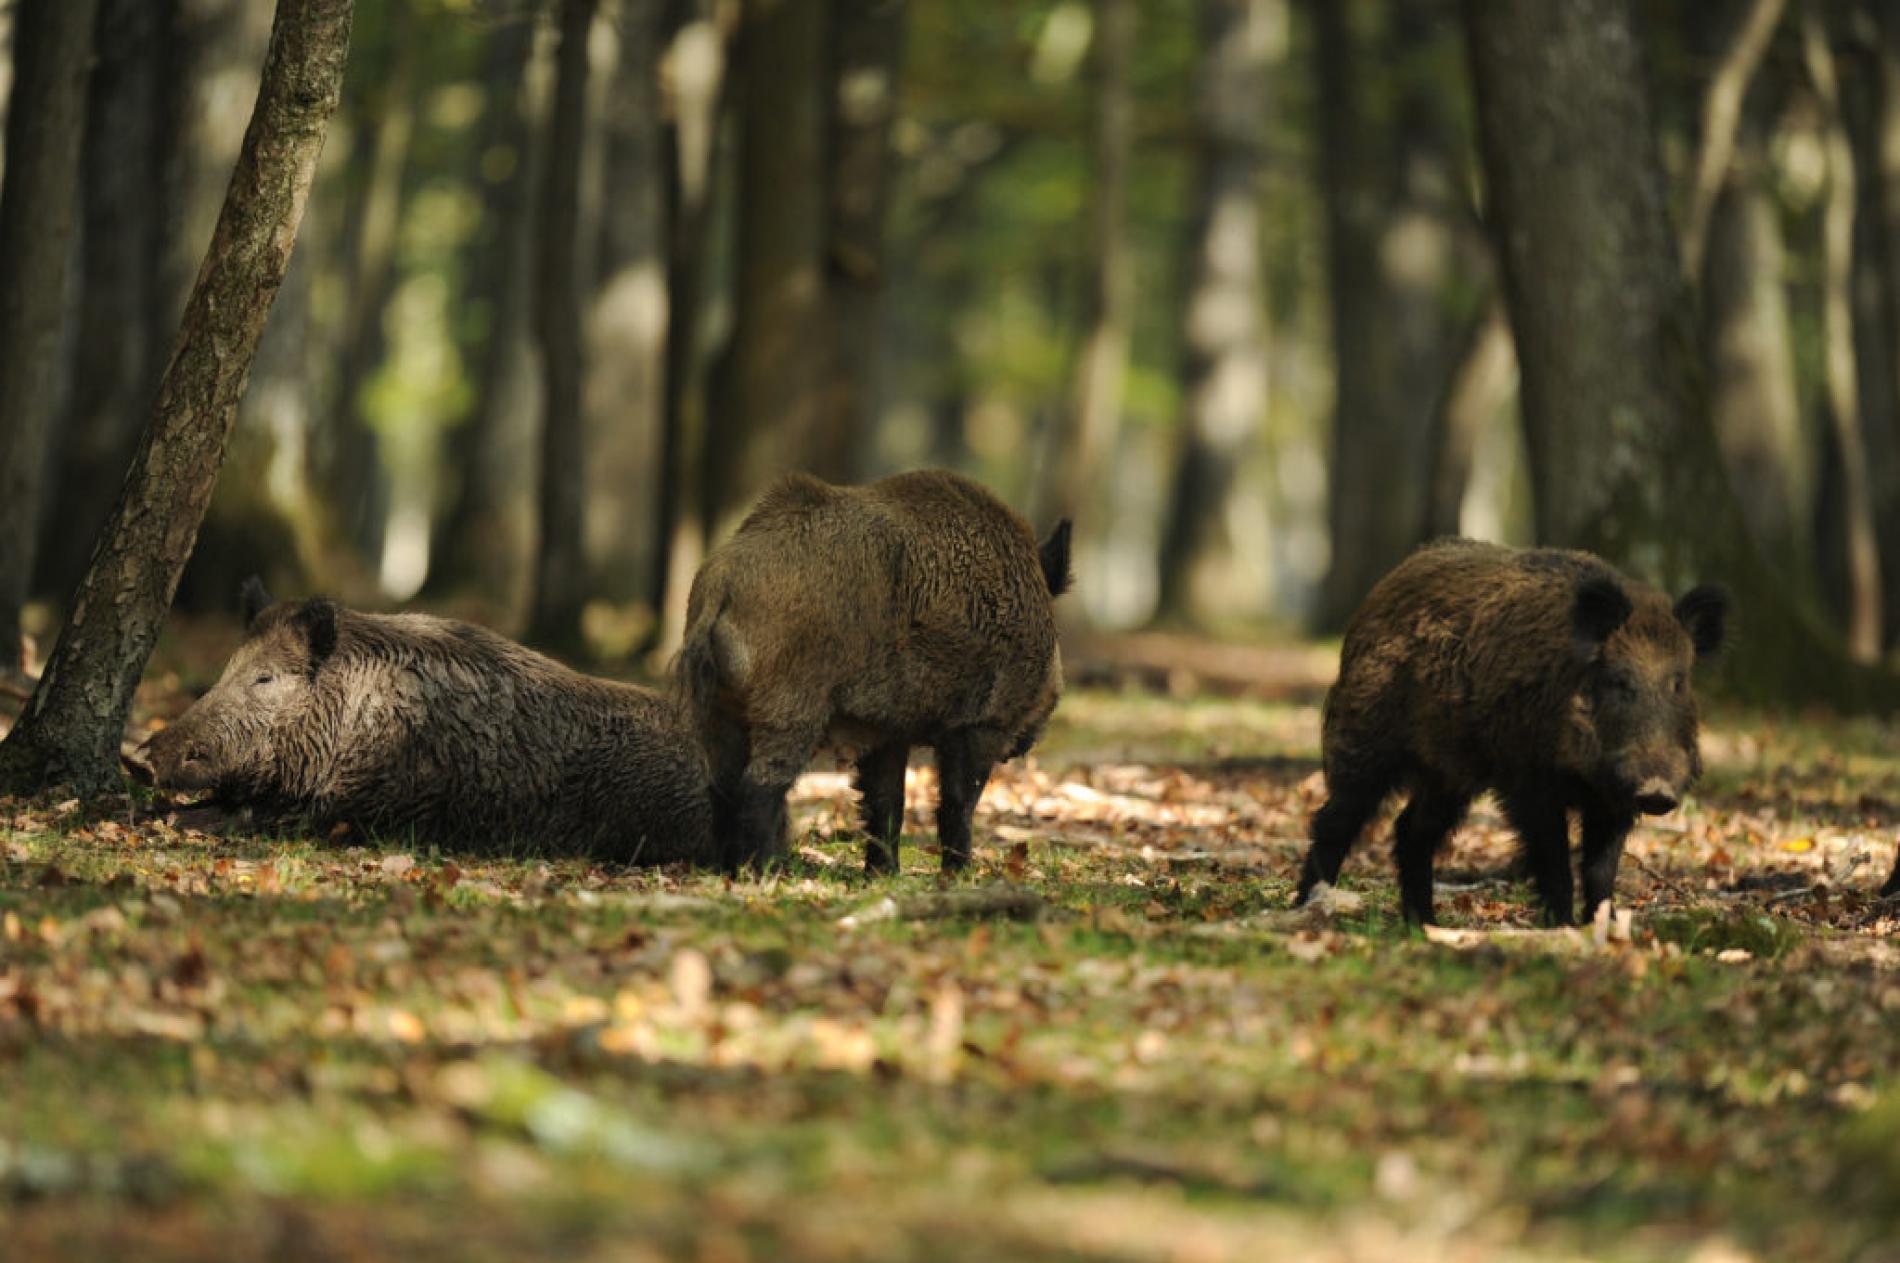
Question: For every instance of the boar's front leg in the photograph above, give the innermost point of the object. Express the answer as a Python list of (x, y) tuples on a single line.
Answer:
[(881, 787), (1604, 829), (964, 759), (758, 807), (1433, 812), (1538, 814)]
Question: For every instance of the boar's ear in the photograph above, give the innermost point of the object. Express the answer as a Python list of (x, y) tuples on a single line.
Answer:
[(1055, 559), (252, 600), (1601, 607), (1703, 612), (315, 621)]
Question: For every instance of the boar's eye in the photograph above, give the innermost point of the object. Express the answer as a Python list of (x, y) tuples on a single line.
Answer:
[(265, 678), (1679, 683)]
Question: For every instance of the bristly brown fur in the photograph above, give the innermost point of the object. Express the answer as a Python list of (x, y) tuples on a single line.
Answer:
[(418, 727), (1544, 676), (916, 610)]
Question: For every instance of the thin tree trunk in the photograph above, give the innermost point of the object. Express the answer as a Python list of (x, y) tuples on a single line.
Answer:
[(1881, 169), (560, 563), (122, 330), (1224, 342), (1086, 440), (696, 81), (1615, 401), (865, 40), (474, 545), (71, 728), (1721, 118), (1841, 369), (775, 360), (45, 130), (1477, 388)]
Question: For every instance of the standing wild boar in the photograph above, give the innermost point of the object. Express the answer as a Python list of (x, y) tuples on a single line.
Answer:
[(916, 610), (1544, 676), (407, 725)]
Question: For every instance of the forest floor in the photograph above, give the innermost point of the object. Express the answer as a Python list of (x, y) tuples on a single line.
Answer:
[(314, 1049)]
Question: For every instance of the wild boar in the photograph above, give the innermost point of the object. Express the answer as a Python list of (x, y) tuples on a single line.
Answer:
[(916, 610), (437, 731), (1544, 676)]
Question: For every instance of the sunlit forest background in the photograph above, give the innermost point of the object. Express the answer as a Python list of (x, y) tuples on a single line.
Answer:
[(1214, 280)]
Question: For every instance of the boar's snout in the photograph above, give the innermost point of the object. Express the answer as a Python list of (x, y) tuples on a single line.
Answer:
[(1655, 797), (176, 761)]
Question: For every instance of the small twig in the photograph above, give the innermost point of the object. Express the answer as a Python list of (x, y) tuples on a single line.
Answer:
[(1789, 896), (1680, 891), (1009, 902)]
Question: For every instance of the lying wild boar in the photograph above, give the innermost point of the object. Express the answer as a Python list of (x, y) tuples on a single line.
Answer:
[(1544, 676), (913, 611), (420, 727)]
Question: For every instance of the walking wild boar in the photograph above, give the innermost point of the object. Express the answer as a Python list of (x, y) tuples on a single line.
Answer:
[(425, 728), (1543, 676), (916, 610)]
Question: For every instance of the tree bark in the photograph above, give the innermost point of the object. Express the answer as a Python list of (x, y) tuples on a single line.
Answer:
[(477, 543), (560, 563), (775, 361), (71, 728), (695, 79), (1224, 340), (1616, 406), (1085, 439), (123, 325), (1384, 169), (865, 42), (45, 131)]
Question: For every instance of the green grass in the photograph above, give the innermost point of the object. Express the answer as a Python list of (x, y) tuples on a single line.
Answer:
[(227, 1048)]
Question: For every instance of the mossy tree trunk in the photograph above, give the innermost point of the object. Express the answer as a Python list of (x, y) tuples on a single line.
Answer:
[(46, 120), (71, 728), (1615, 401)]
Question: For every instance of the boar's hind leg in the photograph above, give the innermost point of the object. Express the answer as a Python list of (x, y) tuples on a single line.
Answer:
[(1350, 803), (1603, 832), (1422, 828), (758, 820), (1543, 830), (964, 759), (881, 787)]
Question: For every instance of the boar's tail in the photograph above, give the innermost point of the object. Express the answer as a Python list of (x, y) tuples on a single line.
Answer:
[(696, 668), (1055, 559)]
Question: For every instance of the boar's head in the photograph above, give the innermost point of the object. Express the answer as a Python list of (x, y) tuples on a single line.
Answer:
[(1637, 688), (233, 738)]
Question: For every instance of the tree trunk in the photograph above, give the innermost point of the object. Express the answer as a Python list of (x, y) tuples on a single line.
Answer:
[(71, 728), (1616, 407), (1863, 604), (476, 543), (123, 325), (775, 361), (1224, 341), (1881, 171), (1084, 442), (560, 578), (695, 59), (1385, 160), (1722, 110), (1478, 387), (865, 40), (45, 131)]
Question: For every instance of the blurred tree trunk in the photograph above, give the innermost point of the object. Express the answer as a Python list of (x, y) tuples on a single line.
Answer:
[(1862, 603), (346, 462), (560, 573), (476, 545), (123, 325), (865, 43), (45, 133), (1736, 54), (71, 728), (1388, 190), (1880, 164), (1224, 342), (1753, 401), (695, 83), (1084, 441), (774, 364), (1616, 405), (626, 324), (1479, 384)]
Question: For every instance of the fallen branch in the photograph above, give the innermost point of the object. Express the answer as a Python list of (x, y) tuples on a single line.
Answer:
[(1004, 902)]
